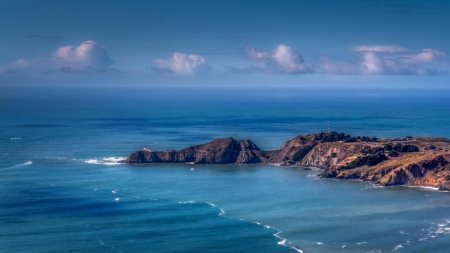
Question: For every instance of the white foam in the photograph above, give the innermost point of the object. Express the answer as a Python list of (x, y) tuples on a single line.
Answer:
[(20, 165), (105, 160), (283, 242), (16, 139), (211, 204), (266, 226), (114, 192), (222, 212), (319, 243), (297, 249), (117, 199), (398, 247), (423, 187)]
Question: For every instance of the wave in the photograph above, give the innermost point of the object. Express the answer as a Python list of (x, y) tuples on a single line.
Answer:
[(105, 160), (431, 233), (430, 188), (186, 202), (20, 138), (283, 241), (398, 247), (18, 165)]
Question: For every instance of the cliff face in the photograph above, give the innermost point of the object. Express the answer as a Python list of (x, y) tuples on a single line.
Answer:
[(327, 155), (428, 169), (366, 160), (291, 151), (219, 151)]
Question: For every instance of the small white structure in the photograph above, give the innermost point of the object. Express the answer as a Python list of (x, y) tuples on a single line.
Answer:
[(146, 149)]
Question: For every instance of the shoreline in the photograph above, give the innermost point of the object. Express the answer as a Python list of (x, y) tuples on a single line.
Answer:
[(413, 161)]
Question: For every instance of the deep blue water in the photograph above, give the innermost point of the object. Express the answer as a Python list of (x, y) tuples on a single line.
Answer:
[(61, 190)]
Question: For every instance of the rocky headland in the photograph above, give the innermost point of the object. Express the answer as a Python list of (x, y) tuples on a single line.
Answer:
[(413, 161)]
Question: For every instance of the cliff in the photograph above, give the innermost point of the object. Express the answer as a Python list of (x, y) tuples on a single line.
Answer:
[(219, 151), (418, 161)]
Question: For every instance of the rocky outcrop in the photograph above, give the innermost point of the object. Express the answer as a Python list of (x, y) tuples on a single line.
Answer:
[(219, 151), (341, 157), (416, 170), (329, 154)]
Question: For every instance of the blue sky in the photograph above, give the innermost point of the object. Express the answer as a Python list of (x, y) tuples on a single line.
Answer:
[(225, 43)]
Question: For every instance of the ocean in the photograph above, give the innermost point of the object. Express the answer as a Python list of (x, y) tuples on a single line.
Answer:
[(62, 190)]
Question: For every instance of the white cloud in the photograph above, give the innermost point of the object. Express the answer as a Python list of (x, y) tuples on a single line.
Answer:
[(88, 57), (282, 60), (370, 60), (427, 55), (328, 66), (390, 49), (371, 63), (180, 63), (88, 53)]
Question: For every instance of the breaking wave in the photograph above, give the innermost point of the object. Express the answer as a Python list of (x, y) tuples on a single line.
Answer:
[(106, 160)]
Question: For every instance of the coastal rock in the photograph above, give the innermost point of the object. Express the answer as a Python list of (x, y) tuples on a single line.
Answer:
[(219, 151), (329, 154), (339, 155)]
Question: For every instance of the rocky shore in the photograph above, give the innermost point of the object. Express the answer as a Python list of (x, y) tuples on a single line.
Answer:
[(414, 161)]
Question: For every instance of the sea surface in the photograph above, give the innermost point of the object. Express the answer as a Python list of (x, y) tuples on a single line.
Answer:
[(62, 190)]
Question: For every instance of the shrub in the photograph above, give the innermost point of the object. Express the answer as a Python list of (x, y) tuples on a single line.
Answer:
[(388, 147), (369, 150), (369, 160), (432, 147), (333, 154), (405, 148), (351, 139), (393, 153)]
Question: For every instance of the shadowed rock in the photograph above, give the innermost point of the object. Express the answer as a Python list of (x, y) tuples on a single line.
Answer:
[(219, 151)]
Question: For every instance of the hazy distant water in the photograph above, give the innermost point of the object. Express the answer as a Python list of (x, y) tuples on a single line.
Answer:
[(60, 189)]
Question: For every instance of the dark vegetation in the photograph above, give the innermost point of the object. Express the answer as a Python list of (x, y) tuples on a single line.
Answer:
[(388, 147), (372, 151), (405, 148), (399, 148), (393, 153), (369, 160), (335, 136)]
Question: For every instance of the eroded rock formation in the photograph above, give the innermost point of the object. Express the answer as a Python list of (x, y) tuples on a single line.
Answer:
[(340, 156)]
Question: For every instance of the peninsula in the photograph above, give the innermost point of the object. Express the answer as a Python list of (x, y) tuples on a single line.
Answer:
[(413, 161)]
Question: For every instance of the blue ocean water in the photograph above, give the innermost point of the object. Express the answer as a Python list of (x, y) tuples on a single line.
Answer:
[(62, 190)]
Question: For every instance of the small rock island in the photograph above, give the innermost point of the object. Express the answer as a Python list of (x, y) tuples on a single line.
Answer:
[(413, 161)]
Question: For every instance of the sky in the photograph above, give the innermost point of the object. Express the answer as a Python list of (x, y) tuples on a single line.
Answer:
[(323, 43)]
